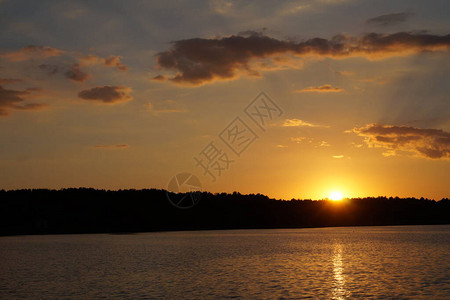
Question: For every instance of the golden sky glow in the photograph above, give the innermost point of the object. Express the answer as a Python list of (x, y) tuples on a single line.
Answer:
[(92, 96)]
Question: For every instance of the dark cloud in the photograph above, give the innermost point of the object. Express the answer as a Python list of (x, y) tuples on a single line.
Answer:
[(73, 72), (107, 94), (326, 88), (76, 74), (390, 19), (9, 80), (34, 89), (49, 69), (253, 32), (159, 78), (197, 61), (30, 106), (13, 99), (429, 143)]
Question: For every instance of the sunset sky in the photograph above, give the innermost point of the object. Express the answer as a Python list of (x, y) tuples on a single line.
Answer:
[(126, 94)]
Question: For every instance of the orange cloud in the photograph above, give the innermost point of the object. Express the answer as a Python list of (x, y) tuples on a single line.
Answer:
[(326, 88), (428, 143), (12, 99), (198, 61), (111, 61), (107, 94), (32, 51), (69, 65), (298, 139), (115, 61), (299, 123), (119, 146)]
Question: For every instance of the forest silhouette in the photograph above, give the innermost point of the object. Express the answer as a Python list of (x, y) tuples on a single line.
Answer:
[(86, 210)]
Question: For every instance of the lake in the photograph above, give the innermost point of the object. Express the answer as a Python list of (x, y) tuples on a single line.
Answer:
[(394, 262)]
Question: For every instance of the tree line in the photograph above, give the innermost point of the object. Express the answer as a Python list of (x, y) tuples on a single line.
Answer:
[(86, 210)]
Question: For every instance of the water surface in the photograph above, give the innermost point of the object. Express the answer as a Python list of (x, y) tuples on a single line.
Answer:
[(398, 262)]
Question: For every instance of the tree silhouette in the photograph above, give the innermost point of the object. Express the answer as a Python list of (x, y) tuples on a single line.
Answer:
[(87, 210)]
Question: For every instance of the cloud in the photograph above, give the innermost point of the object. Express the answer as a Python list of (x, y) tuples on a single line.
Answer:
[(428, 143), (119, 146), (32, 51), (107, 94), (110, 61), (298, 139), (73, 72), (373, 80), (389, 19), (338, 156), (43, 52), (9, 80), (345, 73), (115, 61), (221, 7), (13, 99), (198, 61), (76, 74), (326, 88), (299, 123), (159, 78), (69, 64), (49, 69)]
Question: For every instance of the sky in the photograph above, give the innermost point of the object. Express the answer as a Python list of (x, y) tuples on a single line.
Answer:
[(292, 99)]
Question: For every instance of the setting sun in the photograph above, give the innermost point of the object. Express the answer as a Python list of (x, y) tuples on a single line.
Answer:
[(335, 196)]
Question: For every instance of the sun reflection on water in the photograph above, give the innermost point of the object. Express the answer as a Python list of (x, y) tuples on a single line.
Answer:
[(339, 291)]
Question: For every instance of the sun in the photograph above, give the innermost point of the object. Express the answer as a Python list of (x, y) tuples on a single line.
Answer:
[(335, 196)]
